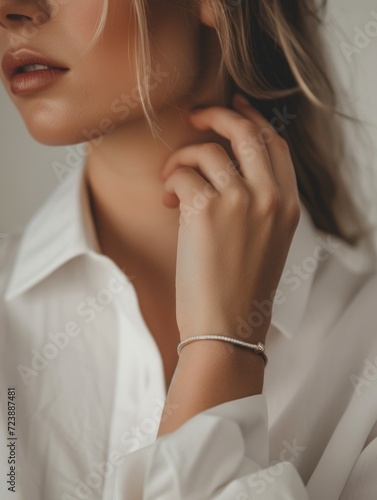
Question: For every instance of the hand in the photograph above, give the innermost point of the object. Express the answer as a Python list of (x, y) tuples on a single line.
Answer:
[(236, 223)]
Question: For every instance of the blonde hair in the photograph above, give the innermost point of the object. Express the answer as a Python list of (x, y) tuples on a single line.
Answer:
[(271, 51)]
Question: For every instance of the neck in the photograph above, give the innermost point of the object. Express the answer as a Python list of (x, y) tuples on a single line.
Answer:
[(126, 191)]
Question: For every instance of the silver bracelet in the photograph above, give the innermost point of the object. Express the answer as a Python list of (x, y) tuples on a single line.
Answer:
[(257, 348)]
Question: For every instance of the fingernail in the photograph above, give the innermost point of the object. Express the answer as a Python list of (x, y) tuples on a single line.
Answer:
[(240, 99)]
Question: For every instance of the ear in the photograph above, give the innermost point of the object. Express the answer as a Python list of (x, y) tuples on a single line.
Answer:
[(206, 13)]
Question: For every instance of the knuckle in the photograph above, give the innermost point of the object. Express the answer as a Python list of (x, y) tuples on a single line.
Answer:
[(270, 204), (293, 212), (238, 197)]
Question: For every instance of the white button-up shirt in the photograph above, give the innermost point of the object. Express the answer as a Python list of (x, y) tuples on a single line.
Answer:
[(82, 384)]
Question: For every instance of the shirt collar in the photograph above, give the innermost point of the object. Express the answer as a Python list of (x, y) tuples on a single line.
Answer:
[(59, 231), (63, 228)]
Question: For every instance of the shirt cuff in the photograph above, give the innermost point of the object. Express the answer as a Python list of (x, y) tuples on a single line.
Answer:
[(217, 454)]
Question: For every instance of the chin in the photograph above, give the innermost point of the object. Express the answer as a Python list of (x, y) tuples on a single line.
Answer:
[(51, 137), (53, 133), (51, 124)]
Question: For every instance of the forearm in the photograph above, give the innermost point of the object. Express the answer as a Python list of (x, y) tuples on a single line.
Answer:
[(210, 373)]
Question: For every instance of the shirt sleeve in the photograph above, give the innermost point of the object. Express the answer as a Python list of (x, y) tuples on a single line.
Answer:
[(219, 454)]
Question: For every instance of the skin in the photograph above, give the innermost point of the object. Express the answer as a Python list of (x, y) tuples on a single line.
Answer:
[(234, 248)]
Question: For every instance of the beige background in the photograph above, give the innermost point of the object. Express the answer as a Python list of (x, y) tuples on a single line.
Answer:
[(27, 174)]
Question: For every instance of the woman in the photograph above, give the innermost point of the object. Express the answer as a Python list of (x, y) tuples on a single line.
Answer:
[(185, 223)]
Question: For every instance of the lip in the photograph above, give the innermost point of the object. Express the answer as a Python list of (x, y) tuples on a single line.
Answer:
[(14, 60)]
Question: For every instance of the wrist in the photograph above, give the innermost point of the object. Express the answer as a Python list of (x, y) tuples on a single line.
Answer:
[(258, 348), (217, 355), (209, 373)]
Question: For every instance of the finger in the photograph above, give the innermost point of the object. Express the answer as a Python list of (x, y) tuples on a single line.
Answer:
[(213, 163), (247, 144), (190, 187), (278, 150)]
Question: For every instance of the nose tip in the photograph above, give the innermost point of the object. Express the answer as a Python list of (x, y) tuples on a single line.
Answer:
[(16, 16)]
